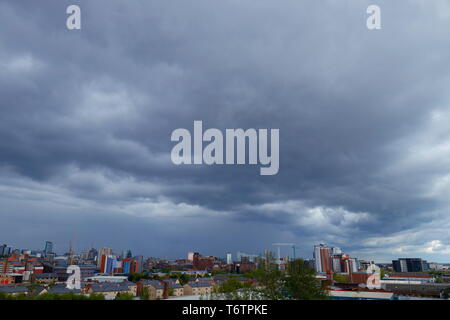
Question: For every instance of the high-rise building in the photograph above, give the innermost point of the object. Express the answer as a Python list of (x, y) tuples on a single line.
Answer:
[(336, 262), (336, 251), (322, 258), (190, 256), (410, 265), (3, 250), (246, 257), (350, 264), (138, 264), (229, 258), (84, 255), (103, 252), (332, 259), (48, 247), (364, 264), (127, 266), (107, 263), (92, 254), (126, 254)]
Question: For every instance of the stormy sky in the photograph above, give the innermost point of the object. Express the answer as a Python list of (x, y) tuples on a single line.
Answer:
[(86, 118)]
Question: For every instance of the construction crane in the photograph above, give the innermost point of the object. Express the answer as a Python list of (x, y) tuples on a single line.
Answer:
[(279, 245), (70, 253)]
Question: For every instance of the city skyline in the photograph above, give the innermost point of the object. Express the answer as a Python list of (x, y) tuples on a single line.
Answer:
[(87, 117), (286, 252)]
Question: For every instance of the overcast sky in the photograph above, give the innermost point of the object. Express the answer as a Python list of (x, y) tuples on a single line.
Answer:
[(86, 118)]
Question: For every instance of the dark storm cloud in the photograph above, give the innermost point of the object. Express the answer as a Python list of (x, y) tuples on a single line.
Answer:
[(362, 116)]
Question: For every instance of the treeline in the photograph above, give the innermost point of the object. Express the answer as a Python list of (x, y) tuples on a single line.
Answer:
[(297, 282), (52, 296)]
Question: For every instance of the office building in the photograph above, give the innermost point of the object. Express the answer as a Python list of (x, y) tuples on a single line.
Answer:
[(337, 264), (350, 265), (126, 254), (2, 250), (48, 247), (103, 252), (190, 256), (5, 250), (92, 254), (410, 265), (138, 264), (322, 258)]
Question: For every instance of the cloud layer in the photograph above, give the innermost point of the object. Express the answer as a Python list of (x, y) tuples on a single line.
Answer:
[(86, 119)]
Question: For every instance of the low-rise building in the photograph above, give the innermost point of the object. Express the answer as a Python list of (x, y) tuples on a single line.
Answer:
[(360, 295), (410, 276), (423, 289), (103, 278), (44, 278), (197, 288), (61, 289), (14, 290), (155, 288), (111, 290), (176, 289)]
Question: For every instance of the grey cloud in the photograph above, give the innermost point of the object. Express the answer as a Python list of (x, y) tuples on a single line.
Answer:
[(92, 111)]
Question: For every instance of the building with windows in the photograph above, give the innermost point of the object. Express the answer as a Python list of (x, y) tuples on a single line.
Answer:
[(322, 258), (155, 288), (198, 288), (229, 258), (111, 290), (92, 254), (2, 249), (103, 252), (48, 247), (5, 250), (410, 265), (45, 278), (332, 259)]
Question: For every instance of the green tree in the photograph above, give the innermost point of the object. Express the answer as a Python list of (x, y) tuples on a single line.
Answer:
[(216, 272), (135, 277), (230, 285), (297, 282), (270, 278), (96, 296), (145, 294), (184, 278), (301, 283), (124, 296)]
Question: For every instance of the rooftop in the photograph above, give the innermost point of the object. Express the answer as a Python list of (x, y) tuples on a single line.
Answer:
[(13, 289)]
